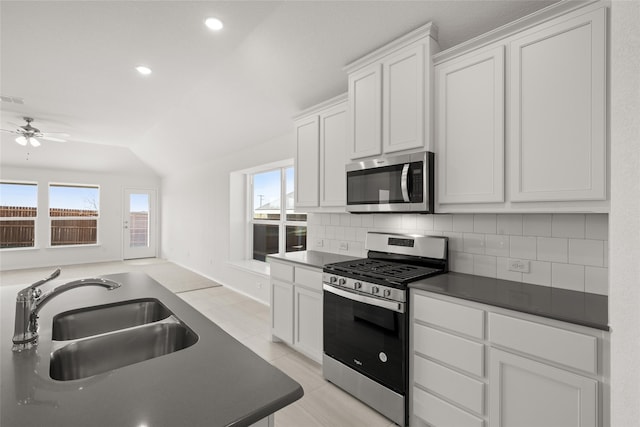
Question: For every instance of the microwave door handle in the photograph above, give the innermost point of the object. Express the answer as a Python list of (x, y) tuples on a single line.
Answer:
[(404, 183)]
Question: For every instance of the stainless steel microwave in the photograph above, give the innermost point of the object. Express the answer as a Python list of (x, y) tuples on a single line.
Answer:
[(401, 183)]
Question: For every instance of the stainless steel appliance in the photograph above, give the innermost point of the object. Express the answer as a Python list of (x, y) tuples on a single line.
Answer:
[(366, 322), (401, 183)]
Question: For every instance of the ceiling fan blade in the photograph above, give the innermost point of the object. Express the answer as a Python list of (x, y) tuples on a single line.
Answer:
[(10, 131), (50, 138), (61, 134)]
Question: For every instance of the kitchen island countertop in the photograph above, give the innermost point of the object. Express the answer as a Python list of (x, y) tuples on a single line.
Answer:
[(215, 382)]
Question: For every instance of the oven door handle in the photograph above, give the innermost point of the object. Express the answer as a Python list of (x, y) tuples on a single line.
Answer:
[(389, 305)]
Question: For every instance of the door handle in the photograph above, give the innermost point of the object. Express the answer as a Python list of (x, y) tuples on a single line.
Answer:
[(404, 183)]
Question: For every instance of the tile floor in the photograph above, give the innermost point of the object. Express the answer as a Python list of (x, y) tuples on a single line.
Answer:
[(246, 320)]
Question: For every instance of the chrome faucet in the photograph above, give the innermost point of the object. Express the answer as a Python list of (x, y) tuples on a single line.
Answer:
[(31, 299)]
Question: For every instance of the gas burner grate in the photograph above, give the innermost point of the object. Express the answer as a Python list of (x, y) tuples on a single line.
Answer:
[(383, 270)]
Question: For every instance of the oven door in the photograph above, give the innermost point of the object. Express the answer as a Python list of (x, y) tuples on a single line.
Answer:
[(367, 334)]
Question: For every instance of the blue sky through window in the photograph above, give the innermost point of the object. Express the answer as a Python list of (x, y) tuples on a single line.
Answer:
[(266, 186), (22, 195), (68, 197), (139, 203)]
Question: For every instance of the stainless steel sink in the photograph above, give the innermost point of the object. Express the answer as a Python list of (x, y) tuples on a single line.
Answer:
[(95, 355), (96, 320)]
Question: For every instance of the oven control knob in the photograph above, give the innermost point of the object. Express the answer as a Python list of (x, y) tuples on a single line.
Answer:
[(333, 279), (357, 285), (387, 293), (375, 290), (342, 282)]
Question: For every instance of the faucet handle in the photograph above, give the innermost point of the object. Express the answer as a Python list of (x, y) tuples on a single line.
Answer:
[(41, 282)]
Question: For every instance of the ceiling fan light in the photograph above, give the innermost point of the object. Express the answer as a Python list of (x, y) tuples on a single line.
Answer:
[(21, 140), (145, 71), (34, 142), (214, 24)]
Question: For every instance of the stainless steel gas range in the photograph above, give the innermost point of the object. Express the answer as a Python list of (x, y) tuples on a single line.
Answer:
[(366, 322)]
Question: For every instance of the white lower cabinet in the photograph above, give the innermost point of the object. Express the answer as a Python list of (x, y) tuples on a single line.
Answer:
[(478, 365), (296, 307), (526, 393)]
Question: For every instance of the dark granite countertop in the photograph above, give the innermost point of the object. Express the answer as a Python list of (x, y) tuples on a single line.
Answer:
[(314, 259), (215, 382), (580, 308)]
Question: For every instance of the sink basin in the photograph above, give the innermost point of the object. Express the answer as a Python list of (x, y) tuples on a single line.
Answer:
[(89, 321), (103, 353)]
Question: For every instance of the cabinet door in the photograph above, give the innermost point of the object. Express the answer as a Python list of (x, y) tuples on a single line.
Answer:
[(558, 105), (307, 162), (282, 311), (470, 128), (403, 98), (525, 393), (308, 322), (333, 142), (365, 131)]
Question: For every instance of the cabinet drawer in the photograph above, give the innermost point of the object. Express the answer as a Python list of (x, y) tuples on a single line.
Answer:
[(455, 351), (439, 413), (448, 383), (558, 345), (309, 278), (458, 318), (281, 271)]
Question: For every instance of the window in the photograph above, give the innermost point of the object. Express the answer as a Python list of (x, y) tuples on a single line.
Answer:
[(276, 228), (74, 212), (18, 210)]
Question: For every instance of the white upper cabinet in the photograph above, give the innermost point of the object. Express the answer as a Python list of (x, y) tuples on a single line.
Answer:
[(333, 143), (403, 112), (365, 110), (520, 120), (558, 114), (307, 153), (321, 135), (470, 128), (390, 96)]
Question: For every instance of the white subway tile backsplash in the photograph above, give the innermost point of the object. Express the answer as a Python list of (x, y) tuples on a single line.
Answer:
[(510, 224), (596, 280), (568, 225), (597, 227), (463, 223), (484, 223), (497, 245), (461, 262), (586, 252), (522, 247), (539, 273), (552, 249), (567, 276), (484, 265), (425, 222), (536, 225), (564, 250), (443, 222), (409, 222), (503, 272), (367, 220), (473, 243), (455, 241)]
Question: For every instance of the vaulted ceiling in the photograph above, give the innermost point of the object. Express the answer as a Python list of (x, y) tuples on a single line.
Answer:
[(210, 93)]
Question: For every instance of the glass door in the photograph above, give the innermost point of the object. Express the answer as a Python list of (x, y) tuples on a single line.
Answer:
[(139, 224)]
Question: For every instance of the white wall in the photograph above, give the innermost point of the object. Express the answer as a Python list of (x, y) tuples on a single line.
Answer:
[(110, 235), (196, 220), (624, 298)]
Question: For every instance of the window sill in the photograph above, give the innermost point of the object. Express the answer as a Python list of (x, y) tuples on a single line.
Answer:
[(21, 249), (252, 266), (92, 245)]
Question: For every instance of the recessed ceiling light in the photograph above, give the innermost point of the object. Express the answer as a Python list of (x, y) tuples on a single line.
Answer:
[(145, 71), (214, 24)]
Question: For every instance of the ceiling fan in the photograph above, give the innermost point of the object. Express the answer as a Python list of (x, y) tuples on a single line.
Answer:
[(27, 134)]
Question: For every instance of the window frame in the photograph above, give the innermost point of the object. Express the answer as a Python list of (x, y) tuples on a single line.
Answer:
[(282, 222), (52, 218), (25, 218)]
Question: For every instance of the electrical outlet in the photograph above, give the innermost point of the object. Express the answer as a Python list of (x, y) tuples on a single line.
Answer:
[(343, 246), (519, 265), (259, 285), (319, 243)]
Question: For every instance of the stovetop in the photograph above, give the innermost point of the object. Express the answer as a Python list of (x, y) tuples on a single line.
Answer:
[(382, 272)]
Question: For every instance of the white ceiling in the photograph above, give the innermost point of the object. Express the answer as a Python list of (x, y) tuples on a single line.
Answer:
[(209, 93)]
